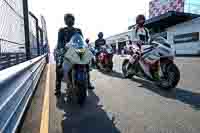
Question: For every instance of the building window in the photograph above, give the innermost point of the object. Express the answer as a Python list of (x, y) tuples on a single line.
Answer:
[(184, 38)]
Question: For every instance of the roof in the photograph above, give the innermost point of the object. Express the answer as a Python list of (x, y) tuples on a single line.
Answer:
[(169, 19), (117, 35)]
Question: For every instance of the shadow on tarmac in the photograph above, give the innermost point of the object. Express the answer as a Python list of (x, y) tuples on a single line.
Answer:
[(183, 95), (113, 74), (90, 118)]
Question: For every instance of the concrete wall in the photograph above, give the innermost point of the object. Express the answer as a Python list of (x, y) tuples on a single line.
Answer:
[(186, 27)]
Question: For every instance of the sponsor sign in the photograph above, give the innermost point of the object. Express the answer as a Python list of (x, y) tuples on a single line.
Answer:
[(158, 7)]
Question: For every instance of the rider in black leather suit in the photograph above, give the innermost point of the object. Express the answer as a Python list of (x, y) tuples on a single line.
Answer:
[(64, 36)]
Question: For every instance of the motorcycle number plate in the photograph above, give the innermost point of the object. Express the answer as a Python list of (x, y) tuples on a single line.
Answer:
[(80, 76)]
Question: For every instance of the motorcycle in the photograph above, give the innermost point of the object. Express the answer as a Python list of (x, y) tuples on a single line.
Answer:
[(76, 68), (104, 59), (93, 62), (154, 63)]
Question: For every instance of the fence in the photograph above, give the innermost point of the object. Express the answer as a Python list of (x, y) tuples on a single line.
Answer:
[(18, 84), (16, 46)]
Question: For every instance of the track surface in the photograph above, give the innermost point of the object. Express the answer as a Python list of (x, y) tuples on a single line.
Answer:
[(126, 105)]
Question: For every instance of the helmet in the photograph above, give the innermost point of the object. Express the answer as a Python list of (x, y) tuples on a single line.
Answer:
[(87, 41), (69, 19), (139, 18), (100, 35)]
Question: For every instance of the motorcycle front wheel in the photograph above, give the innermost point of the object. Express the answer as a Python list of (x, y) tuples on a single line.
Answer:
[(82, 93), (171, 77), (125, 69), (80, 86), (110, 67)]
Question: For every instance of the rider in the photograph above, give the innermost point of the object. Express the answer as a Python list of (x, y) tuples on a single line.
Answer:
[(141, 33), (141, 36), (99, 42), (87, 41), (64, 36), (90, 46), (92, 49)]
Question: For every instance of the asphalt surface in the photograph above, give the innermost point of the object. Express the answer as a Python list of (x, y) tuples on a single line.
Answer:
[(120, 105)]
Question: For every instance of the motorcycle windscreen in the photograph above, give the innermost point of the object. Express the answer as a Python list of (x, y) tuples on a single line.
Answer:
[(77, 42), (165, 49), (76, 46), (162, 41)]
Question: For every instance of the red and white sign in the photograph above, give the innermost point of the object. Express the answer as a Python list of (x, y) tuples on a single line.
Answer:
[(158, 7)]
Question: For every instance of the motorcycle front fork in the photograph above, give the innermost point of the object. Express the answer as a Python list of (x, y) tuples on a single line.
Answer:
[(132, 68), (155, 71)]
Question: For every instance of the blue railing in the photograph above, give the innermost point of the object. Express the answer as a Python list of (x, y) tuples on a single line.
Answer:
[(17, 85)]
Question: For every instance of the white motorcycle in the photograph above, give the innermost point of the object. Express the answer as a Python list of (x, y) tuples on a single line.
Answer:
[(76, 68), (155, 63)]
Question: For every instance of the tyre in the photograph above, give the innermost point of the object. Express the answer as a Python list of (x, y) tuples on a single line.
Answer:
[(125, 69), (110, 67), (171, 77), (82, 94), (111, 63), (97, 65)]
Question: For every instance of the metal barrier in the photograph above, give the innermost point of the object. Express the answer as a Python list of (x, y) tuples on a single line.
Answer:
[(17, 85), (11, 31), (20, 39)]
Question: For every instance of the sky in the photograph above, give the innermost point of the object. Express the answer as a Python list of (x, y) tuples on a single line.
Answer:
[(92, 16)]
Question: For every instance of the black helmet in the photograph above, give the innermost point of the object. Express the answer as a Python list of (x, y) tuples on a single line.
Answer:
[(140, 17), (87, 41), (100, 35), (69, 19)]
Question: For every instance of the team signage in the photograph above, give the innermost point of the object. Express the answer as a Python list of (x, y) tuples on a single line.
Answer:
[(158, 7)]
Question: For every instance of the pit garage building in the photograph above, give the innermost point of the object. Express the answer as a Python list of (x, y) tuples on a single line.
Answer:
[(180, 29)]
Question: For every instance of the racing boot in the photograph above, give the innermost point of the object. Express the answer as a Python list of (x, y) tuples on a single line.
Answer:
[(59, 75), (90, 86), (58, 87)]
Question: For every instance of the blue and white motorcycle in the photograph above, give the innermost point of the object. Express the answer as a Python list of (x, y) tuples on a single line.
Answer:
[(76, 68)]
